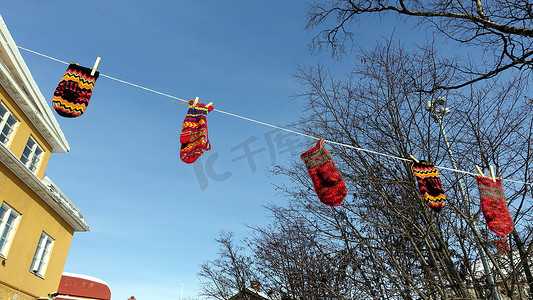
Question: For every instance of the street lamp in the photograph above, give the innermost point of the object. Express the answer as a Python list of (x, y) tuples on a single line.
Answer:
[(438, 110)]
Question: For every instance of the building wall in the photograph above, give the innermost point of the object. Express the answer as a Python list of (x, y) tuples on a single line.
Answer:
[(36, 217), (7, 293), (24, 129)]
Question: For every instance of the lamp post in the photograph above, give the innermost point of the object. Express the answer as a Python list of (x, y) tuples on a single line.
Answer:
[(437, 108)]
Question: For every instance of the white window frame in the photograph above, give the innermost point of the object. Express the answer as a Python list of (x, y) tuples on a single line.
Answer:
[(7, 231), (32, 161), (4, 124), (42, 255)]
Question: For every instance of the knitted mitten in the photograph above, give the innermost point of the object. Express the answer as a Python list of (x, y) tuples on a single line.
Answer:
[(72, 95), (194, 139), (327, 181), (493, 206), (429, 184)]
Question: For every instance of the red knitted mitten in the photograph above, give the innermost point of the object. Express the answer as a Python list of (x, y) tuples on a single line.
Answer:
[(327, 181), (493, 206)]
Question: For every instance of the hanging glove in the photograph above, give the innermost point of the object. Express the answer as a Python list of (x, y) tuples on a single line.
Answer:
[(493, 206), (74, 91), (328, 183), (429, 184), (193, 137)]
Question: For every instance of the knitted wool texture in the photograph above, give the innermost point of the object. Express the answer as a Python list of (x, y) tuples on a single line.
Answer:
[(429, 184), (74, 91), (493, 206), (327, 181), (194, 139)]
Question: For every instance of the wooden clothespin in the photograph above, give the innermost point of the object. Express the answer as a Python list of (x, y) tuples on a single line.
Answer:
[(95, 67), (479, 172), (491, 169), (310, 144), (195, 101), (492, 175), (209, 104), (414, 158)]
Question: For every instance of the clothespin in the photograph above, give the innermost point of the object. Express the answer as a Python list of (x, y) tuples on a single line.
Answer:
[(209, 104), (479, 172), (195, 101), (95, 67), (414, 158), (312, 143), (491, 169)]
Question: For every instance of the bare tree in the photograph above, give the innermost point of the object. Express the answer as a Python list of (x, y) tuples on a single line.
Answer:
[(414, 252), (229, 273), (384, 242), (496, 35)]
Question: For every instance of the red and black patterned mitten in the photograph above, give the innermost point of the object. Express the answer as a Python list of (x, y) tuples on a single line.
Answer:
[(193, 137), (74, 91), (327, 181), (429, 184), (493, 206)]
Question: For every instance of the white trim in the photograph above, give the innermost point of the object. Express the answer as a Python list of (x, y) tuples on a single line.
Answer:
[(65, 209), (16, 78)]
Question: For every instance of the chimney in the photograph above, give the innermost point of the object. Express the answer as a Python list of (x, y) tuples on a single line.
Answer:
[(255, 285), (502, 246)]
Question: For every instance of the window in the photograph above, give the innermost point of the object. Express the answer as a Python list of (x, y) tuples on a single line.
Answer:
[(42, 254), (8, 123), (8, 222), (31, 157)]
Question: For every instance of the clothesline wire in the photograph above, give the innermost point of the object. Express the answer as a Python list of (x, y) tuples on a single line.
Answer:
[(263, 123)]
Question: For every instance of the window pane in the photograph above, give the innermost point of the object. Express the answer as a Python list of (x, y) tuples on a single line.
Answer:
[(6, 131), (11, 121), (30, 143), (3, 210), (24, 157), (3, 111), (4, 235), (36, 257), (38, 152), (42, 254), (3, 223), (31, 156), (8, 221), (7, 123)]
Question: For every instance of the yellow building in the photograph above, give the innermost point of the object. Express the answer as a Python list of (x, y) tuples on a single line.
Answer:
[(37, 221)]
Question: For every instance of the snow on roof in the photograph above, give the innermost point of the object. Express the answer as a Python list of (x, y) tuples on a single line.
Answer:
[(84, 277)]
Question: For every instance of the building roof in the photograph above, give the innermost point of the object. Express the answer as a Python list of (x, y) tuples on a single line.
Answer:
[(47, 190), (250, 291), (75, 286), (16, 78)]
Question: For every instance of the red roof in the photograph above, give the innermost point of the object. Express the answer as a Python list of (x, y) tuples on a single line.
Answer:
[(75, 285)]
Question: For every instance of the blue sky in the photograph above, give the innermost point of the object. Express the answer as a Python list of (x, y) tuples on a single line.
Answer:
[(153, 218)]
